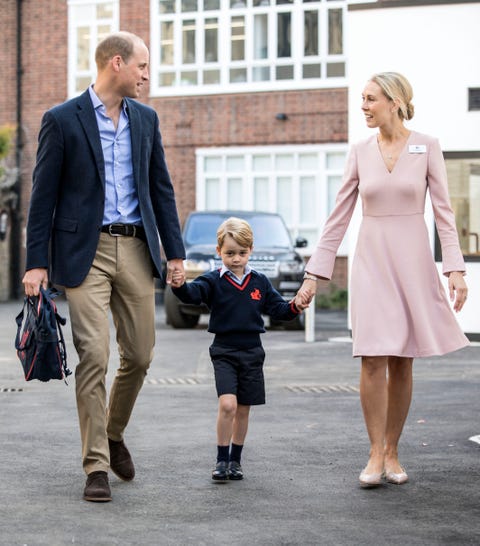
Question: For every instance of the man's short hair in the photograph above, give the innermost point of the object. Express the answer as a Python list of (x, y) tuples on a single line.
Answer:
[(120, 43)]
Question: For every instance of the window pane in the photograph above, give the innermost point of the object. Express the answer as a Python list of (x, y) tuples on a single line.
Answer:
[(284, 162), (308, 162), (333, 186), (213, 164), (238, 38), (261, 163), (83, 48), (284, 198), (211, 40), (464, 189), (261, 73), (335, 160), (103, 31), (260, 36), (188, 41), (307, 211), (212, 193), (283, 35), (234, 193), (260, 193), (238, 75), (166, 42), (235, 4), (82, 83), (166, 6), (105, 10), (211, 4), (284, 73), (211, 76), (235, 163), (189, 5), (335, 70), (311, 33), (189, 77), (166, 79), (312, 71), (335, 32), (257, 3)]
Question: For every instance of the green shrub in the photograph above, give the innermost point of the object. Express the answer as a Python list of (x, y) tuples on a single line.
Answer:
[(336, 298)]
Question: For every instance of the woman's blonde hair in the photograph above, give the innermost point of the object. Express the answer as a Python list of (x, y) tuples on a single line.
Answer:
[(396, 87), (238, 229)]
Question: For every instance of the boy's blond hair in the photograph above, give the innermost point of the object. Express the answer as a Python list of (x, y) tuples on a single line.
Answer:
[(238, 229)]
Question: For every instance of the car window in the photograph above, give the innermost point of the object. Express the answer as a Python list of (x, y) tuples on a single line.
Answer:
[(268, 231)]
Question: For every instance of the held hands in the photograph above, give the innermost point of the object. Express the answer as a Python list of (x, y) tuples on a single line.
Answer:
[(175, 273), (458, 290), (305, 294)]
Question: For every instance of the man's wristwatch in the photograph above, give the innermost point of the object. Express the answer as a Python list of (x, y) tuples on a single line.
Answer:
[(311, 277)]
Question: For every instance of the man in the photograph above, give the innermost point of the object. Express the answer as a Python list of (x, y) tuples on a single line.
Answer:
[(101, 197)]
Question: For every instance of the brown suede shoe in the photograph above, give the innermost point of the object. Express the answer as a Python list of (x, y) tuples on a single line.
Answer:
[(120, 460), (97, 488)]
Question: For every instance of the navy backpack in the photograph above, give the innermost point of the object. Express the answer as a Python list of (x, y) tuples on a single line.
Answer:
[(39, 341)]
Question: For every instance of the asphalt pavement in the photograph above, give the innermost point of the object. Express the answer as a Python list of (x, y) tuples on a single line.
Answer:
[(304, 452)]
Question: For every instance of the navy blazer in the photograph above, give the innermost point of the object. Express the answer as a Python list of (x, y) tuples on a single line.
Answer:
[(68, 194)]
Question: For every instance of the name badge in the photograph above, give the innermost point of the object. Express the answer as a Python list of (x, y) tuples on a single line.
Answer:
[(417, 149)]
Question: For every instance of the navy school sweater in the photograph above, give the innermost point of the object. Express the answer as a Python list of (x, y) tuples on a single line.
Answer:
[(234, 308)]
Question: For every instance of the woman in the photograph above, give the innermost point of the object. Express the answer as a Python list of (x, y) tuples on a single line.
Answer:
[(399, 308)]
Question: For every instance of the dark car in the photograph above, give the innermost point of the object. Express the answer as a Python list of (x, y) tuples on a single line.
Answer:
[(273, 254)]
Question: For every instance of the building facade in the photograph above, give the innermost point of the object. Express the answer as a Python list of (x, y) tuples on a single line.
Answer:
[(257, 99), (251, 96)]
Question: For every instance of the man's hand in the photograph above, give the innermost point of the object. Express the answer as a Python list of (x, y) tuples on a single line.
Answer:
[(175, 266), (32, 280)]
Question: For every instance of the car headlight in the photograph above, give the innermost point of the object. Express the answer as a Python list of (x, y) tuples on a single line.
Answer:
[(194, 268), (291, 267)]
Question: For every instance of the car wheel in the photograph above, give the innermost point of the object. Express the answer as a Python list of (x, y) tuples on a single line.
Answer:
[(173, 312)]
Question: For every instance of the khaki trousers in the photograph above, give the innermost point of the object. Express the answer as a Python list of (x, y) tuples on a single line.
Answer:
[(120, 279)]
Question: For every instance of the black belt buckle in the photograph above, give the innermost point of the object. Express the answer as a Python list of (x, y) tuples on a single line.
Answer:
[(122, 230)]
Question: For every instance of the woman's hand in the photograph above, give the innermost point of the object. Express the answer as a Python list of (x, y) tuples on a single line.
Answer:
[(458, 289), (305, 293)]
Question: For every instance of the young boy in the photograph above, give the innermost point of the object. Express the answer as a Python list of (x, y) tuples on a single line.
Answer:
[(237, 296)]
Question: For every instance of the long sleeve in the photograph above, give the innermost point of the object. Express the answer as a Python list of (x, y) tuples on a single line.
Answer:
[(452, 258), (322, 260)]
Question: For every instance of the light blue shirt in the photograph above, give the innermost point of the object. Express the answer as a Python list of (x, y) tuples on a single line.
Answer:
[(121, 199), (227, 271)]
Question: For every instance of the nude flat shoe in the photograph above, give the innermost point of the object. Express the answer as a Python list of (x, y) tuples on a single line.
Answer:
[(370, 480), (396, 477)]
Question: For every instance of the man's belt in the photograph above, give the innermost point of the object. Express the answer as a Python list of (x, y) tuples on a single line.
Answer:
[(125, 230)]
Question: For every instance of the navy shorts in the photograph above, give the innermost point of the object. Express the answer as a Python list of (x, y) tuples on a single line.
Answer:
[(239, 372)]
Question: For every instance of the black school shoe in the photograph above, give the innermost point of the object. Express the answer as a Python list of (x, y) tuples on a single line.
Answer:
[(234, 471), (220, 474)]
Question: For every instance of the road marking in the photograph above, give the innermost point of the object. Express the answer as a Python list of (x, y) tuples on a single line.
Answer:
[(475, 439)]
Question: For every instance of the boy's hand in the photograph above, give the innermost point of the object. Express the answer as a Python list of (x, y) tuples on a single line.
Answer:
[(178, 279), (300, 305)]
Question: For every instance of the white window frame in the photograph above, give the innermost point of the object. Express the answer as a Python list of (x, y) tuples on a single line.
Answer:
[(93, 24), (295, 226), (224, 64)]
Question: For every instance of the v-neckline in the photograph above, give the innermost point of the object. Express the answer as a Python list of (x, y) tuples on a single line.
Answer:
[(399, 155)]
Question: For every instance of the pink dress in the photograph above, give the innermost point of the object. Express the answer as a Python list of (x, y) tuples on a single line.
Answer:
[(398, 304)]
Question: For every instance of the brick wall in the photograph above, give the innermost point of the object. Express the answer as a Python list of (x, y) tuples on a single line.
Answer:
[(315, 116)]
